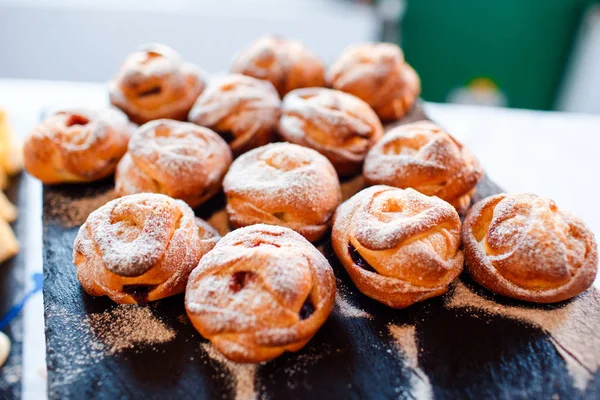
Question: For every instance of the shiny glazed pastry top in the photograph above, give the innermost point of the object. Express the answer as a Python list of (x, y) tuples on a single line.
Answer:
[(179, 159), (338, 125), (261, 291), (243, 110), (399, 246), (154, 82), (523, 246), (286, 63), (422, 156), (140, 248), (77, 145), (378, 74), (283, 184)]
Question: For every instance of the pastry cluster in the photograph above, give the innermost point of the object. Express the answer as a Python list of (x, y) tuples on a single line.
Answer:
[(263, 288)]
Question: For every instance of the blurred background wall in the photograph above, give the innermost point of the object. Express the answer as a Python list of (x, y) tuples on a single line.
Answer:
[(539, 54)]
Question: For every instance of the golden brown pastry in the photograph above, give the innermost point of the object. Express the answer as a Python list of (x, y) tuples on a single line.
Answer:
[(261, 291), (424, 157), (77, 145), (154, 82), (378, 74), (399, 246), (523, 246), (338, 125), (140, 248), (286, 63), (283, 184), (179, 159), (243, 110)]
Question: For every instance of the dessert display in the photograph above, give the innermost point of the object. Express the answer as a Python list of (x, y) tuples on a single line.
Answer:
[(378, 74), (525, 247), (283, 184), (243, 110), (338, 125), (399, 246), (154, 82), (286, 63), (261, 291), (179, 159), (197, 313), (77, 145), (422, 156), (140, 248)]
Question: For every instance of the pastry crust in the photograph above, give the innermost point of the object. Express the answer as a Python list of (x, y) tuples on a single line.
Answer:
[(243, 110), (338, 125), (154, 82), (179, 159), (378, 74), (523, 246), (286, 63), (398, 245), (421, 155), (140, 248), (261, 291), (77, 145), (283, 184)]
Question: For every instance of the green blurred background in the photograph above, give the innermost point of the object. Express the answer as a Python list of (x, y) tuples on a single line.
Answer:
[(503, 52)]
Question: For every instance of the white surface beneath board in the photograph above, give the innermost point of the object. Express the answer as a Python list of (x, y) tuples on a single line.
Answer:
[(551, 154)]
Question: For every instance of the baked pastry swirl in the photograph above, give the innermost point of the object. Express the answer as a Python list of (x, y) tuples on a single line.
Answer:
[(154, 82), (340, 126), (140, 248), (399, 246), (378, 74), (523, 246), (77, 145), (243, 110), (283, 184), (286, 63), (261, 291), (424, 157), (179, 159)]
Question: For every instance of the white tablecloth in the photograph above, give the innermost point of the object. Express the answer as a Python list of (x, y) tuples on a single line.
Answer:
[(548, 153)]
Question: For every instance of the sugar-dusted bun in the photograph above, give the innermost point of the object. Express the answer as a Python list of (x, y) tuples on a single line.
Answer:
[(261, 291), (399, 246), (286, 63), (154, 82), (378, 74), (283, 184), (424, 157), (77, 145), (338, 125), (179, 159), (523, 246), (243, 110), (140, 248)]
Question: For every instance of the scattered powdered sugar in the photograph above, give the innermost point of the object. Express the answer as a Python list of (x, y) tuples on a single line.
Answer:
[(345, 307), (126, 326), (242, 377), (573, 328), (71, 212), (406, 341), (113, 331)]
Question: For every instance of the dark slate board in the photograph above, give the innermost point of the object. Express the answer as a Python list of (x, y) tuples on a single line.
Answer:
[(463, 355), (12, 284)]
